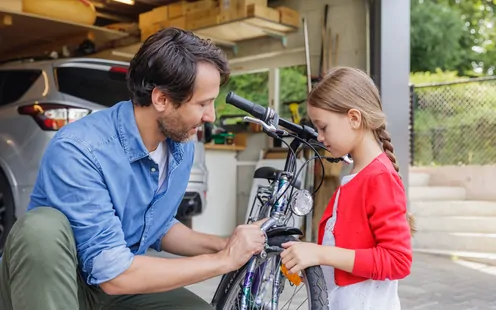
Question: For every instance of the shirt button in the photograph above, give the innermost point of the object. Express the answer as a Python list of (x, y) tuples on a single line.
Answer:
[(153, 169)]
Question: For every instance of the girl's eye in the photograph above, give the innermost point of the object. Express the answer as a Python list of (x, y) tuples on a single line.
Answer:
[(323, 128)]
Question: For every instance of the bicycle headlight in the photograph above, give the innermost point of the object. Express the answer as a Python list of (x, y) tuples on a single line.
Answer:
[(301, 202)]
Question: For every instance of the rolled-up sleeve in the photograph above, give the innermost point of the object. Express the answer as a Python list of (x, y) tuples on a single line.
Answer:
[(74, 184), (157, 245)]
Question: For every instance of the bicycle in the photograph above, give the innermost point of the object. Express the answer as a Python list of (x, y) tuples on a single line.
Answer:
[(277, 202)]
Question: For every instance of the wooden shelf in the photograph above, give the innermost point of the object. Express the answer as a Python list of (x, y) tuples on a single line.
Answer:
[(224, 147), (23, 32), (230, 33)]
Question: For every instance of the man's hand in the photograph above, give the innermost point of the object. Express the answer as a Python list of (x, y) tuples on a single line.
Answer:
[(246, 241)]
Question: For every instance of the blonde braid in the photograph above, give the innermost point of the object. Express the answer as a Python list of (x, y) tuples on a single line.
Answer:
[(385, 138)]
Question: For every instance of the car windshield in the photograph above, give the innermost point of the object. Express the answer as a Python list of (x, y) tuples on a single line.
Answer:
[(103, 87)]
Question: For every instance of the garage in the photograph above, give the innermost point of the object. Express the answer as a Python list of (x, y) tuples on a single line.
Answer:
[(61, 61), (271, 42)]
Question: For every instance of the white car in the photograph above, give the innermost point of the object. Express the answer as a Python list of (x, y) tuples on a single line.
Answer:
[(36, 98)]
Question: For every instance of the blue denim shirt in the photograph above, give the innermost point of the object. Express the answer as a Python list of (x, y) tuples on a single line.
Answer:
[(98, 172)]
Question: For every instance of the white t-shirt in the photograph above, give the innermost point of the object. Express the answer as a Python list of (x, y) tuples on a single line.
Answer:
[(160, 157), (369, 294)]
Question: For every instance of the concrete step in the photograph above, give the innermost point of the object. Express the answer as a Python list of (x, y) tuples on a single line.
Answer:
[(478, 257), (455, 241), (436, 193), (463, 224), (453, 208), (418, 179)]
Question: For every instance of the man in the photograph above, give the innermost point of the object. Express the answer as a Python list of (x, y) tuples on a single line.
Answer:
[(108, 188)]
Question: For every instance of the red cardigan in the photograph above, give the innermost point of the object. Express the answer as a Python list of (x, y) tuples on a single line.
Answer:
[(372, 221)]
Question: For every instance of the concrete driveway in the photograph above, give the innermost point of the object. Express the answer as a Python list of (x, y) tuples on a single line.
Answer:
[(436, 283)]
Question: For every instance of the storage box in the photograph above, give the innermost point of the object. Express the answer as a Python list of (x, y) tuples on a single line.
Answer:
[(11, 5), (289, 16), (236, 9), (255, 10), (178, 22), (203, 18), (227, 5), (183, 8), (154, 16), (149, 30)]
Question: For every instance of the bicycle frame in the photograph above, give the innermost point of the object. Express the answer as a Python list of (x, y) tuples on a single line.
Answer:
[(278, 202), (277, 193)]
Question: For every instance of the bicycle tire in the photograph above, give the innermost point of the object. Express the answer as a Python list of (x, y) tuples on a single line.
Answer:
[(316, 282)]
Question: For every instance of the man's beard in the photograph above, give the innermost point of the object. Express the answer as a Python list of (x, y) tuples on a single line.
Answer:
[(173, 128)]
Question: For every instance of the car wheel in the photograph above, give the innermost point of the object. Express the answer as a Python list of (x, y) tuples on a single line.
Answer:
[(7, 216)]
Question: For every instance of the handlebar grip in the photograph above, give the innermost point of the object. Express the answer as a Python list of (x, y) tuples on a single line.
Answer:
[(241, 103)]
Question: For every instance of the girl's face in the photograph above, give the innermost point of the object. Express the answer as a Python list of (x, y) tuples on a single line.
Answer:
[(338, 132)]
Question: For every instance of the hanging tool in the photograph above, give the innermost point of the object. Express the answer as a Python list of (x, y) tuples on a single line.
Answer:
[(307, 55), (336, 49), (293, 107), (324, 39)]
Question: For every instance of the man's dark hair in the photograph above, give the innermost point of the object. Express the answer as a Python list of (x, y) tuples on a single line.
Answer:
[(168, 60)]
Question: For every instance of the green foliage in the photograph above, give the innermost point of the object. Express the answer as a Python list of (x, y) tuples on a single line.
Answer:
[(436, 32), (434, 77), (255, 87), (453, 35)]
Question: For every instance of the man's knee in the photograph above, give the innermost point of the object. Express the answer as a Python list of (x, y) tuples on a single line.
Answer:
[(41, 230)]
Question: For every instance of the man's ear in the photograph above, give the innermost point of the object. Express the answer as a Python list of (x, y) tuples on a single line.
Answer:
[(159, 100), (355, 118)]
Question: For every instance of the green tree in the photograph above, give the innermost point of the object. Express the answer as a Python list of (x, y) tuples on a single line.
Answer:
[(453, 35), (255, 87), (478, 42), (436, 33)]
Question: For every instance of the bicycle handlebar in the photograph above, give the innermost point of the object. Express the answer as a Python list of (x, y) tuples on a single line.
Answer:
[(265, 115)]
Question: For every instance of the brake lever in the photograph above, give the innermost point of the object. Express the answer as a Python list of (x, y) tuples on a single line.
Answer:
[(335, 160), (269, 128), (347, 159)]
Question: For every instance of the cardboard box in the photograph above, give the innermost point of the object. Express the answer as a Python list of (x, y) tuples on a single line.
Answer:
[(154, 16), (148, 31), (202, 14), (201, 19), (289, 16), (11, 5), (178, 22), (255, 10), (183, 8), (201, 5), (236, 9), (233, 5)]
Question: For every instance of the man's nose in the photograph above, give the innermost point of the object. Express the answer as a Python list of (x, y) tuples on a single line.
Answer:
[(209, 115)]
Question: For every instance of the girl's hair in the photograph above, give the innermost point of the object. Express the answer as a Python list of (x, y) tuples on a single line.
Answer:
[(345, 88)]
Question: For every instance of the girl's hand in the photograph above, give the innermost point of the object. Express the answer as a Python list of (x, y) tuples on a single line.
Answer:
[(300, 255)]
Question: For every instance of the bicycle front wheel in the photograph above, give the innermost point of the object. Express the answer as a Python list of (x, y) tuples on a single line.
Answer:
[(271, 289)]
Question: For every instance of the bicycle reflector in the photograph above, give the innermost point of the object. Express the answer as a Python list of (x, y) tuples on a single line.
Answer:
[(301, 202)]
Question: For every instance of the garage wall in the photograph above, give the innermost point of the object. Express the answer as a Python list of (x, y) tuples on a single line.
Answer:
[(346, 17)]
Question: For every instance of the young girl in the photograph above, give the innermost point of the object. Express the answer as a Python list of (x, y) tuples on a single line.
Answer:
[(364, 236)]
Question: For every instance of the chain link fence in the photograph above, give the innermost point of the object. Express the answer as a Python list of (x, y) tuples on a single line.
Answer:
[(453, 123)]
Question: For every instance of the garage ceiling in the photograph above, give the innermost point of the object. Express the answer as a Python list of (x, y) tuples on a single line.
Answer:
[(110, 11)]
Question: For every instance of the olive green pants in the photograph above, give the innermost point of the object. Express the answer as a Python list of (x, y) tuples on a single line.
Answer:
[(38, 270)]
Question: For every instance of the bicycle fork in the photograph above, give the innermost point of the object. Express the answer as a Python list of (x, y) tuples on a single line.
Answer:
[(253, 274)]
